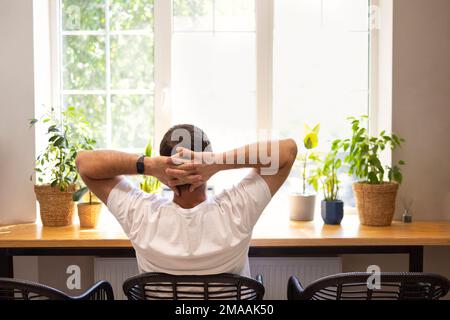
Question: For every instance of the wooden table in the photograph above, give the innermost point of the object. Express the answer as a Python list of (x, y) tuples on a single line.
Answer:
[(274, 235)]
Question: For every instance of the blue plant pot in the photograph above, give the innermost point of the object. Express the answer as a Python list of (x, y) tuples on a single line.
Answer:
[(332, 211)]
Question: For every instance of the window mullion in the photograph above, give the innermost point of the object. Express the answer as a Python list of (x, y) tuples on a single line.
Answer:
[(108, 75), (264, 64), (162, 65), (56, 56)]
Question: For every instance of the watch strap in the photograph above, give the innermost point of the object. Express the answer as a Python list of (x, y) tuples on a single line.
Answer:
[(140, 167)]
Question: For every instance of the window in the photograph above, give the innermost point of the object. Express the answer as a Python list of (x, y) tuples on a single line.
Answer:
[(232, 67), (214, 72), (107, 68), (214, 68), (321, 70)]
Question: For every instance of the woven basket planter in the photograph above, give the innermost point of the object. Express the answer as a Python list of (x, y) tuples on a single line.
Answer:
[(56, 207), (89, 214), (375, 203)]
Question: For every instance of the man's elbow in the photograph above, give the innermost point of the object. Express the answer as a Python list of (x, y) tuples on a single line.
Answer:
[(291, 150), (81, 161)]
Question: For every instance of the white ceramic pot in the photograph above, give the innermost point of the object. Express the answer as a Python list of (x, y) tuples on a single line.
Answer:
[(301, 207)]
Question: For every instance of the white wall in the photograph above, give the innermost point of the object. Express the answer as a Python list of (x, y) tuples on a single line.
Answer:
[(421, 103), (17, 200)]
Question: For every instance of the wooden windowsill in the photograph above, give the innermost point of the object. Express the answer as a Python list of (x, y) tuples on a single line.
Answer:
[(274, 229)]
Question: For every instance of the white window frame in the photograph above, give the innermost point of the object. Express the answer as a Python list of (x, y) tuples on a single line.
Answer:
[(162, 65), (56, 75), (264, 65)]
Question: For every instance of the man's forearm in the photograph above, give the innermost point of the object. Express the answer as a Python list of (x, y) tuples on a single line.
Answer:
[(106, 164), (270, 154)]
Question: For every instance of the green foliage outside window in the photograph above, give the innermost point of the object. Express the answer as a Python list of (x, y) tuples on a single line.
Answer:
[(118, 119), (192, 8)]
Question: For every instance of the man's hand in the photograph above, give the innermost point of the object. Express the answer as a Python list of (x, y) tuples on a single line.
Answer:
[(159, 167), (194, 167)]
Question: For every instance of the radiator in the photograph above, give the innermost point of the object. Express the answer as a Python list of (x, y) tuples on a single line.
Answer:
[(275, 272), (115, 271)]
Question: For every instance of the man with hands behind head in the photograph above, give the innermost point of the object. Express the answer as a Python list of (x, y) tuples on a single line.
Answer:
[(191, 233)]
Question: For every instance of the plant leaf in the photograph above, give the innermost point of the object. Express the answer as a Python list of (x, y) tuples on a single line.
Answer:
[(77, 195), (33, 122), (149, 149), (311, 141), (316, 129)]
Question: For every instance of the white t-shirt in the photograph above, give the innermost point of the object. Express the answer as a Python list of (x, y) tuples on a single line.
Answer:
[(211, 238)]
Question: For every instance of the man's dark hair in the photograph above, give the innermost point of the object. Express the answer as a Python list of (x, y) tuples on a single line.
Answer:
[(184, 135)]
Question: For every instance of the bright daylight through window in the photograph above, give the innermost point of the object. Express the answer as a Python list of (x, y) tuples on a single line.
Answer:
[(107, 68), (320, 53)]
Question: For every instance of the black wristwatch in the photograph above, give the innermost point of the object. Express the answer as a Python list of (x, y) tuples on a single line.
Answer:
[(140, 167)]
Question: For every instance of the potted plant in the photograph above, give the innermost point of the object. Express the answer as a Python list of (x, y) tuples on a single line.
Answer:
[(55, 169), (88, 211), (302, 204), (324, 177), (375, 197), (150, 184)]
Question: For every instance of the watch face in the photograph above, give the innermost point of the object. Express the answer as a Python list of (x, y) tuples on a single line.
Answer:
[(140, 165)]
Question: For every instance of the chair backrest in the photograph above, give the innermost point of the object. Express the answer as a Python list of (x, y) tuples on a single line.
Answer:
[(13, 289), (392, 286), (157, 286)]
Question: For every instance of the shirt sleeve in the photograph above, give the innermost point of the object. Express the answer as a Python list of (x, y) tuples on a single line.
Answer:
[(126, 203), (247, 200)]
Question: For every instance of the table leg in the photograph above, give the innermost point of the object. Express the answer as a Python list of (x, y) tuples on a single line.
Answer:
[(6, 265), (416, 259)]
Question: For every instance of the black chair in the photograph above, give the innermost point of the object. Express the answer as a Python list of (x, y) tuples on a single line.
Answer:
[(353, 286), (160, 286), (13, 289)]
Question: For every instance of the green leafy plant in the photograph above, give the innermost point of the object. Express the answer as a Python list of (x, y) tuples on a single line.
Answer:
[(324, 176), (67, 134), (310, 141), (364, 153), (150, 184), (78, 195)]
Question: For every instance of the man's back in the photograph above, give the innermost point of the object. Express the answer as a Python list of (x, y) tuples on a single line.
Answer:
[(214, 234), (210, 238)]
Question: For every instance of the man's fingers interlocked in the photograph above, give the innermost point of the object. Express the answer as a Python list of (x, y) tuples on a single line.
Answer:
[(177, 173), (191, 179)]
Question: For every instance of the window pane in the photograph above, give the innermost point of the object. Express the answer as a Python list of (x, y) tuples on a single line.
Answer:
[(94, 107), (193, 15), (214, 84), (83, 62), (321, 71), (118, 97), (132, 121), (346, 15), (83, 15), (318, 72), (131, 14), (234, 15), (216, 63), (131, 62), (213, 87)]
